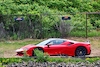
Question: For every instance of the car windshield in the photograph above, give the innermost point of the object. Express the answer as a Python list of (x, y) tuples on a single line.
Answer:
[(43, 43)]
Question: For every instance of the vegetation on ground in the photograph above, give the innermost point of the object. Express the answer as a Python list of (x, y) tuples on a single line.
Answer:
[(41, 57), (58, 60)]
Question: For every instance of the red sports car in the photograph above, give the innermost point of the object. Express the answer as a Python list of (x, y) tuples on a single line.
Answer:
[(56, 46)]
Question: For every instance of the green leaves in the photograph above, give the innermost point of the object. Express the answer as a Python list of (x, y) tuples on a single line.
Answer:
[(19, 7), (41, 57), (43, 6), (96, 6)]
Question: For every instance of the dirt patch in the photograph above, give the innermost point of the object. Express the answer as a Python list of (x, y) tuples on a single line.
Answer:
[(9, 54), (95, 52)]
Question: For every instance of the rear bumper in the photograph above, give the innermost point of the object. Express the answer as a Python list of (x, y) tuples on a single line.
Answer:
[(89, 53)]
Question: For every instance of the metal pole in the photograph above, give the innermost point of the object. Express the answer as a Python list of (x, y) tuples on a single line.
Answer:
[(86, 25), (41, 28)]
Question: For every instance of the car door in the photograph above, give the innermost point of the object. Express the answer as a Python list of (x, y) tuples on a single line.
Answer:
[(56, 48)]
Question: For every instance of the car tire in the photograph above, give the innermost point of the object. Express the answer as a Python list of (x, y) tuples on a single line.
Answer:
[(40, 49), (80, 51)]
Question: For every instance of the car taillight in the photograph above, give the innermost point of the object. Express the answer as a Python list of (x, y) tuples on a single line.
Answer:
[(88, 44)]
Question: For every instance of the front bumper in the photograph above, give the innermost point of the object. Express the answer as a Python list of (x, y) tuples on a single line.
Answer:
[(20, 54)]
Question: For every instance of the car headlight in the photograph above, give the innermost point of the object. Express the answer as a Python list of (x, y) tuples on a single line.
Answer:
[(18, 50), (25, 49)]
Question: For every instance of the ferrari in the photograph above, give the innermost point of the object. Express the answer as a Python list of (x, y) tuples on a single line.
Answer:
[(57, 46)]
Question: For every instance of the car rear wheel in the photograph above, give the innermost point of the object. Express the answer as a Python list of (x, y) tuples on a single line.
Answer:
[(80, 51), (40, 49)]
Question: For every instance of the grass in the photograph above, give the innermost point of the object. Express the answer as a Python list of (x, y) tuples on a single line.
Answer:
[(13, 46), (58, 60), (73, 60), (8, 48), (92, 33)]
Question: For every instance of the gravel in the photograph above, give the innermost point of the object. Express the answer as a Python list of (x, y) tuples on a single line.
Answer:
[(54, 64)]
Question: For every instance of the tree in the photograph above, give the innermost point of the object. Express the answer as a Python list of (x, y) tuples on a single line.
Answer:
[(64, 27)]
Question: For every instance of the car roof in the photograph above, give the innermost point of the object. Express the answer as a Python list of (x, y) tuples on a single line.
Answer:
[(62, 39), (56, 39)]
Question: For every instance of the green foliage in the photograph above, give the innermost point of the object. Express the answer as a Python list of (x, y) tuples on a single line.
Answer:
[(90, 33), (41, 57), (6, 61), (96, 5), (92, 59), (28, 6), (58, 60), (14, 37), (0, 64), (19, 7), (10, 60), (97, 23)]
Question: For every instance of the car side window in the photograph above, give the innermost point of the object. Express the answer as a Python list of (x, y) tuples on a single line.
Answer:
[(59, 42), (52, 42), (56, 42)]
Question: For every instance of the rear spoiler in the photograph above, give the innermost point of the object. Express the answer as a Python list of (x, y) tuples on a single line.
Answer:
[(87, 42)]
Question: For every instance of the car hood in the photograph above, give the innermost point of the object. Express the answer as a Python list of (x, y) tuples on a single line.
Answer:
[(25, 48), (28, 46)]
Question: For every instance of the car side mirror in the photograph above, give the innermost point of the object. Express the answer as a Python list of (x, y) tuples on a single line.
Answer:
[(49, 45)]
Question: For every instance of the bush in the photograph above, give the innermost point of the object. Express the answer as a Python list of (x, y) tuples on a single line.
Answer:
[(41, 57), (14, 37)]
